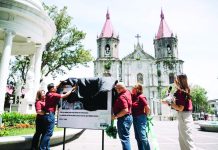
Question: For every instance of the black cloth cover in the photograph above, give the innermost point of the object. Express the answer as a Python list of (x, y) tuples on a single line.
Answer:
[(92, 92)]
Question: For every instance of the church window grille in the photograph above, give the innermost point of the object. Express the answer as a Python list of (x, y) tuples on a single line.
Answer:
[(158, 53), (153, 95), (169, 50), (107, 50), (140, 78), (158, 66), (171, 78)]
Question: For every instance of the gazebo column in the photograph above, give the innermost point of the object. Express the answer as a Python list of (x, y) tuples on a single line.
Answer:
[(30, 76), (4, 65), (37, 65), (27, 102), (33, 80)]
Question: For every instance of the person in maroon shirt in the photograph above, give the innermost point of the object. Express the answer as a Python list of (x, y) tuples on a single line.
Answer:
[(140, 109), (183, 104), (122, 112), (51, 101), (40, 110)]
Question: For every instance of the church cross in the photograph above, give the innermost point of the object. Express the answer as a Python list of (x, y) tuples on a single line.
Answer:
[(138, 36)]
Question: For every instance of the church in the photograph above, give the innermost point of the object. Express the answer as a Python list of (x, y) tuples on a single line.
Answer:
[(155, 73)]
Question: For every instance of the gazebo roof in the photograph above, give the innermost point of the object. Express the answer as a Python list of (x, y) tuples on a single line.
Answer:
[(30, 23)]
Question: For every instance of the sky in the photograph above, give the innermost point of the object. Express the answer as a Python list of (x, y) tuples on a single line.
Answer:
[(195, 22)]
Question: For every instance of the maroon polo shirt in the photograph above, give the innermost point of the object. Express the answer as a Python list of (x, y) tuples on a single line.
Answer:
[(51, 101), (123, 101), (138, 104), (39, 105), (181, 99)]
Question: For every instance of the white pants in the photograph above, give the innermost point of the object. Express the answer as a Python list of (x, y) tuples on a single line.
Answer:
[(185, 125)]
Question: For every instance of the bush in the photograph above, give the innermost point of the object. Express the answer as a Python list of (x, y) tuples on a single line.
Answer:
[(14, 118)]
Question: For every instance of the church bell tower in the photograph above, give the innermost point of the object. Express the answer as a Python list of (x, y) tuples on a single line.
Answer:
[(107, 62), (166, 54)]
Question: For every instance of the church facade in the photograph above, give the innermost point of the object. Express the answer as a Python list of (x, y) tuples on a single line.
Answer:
[(155, 73)]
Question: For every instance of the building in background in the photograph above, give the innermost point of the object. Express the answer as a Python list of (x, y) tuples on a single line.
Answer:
[(153, 72)]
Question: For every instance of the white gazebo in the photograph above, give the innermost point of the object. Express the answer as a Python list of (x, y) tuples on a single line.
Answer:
[(25, 28)]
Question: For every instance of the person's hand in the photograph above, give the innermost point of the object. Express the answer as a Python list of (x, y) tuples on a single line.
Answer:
[(113, 117), (164, 102), (147, 110), (74, 88)]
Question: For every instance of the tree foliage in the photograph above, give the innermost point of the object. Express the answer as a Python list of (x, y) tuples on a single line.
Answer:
[(62, 53), (65, 50), (199, 99), (18, 69)]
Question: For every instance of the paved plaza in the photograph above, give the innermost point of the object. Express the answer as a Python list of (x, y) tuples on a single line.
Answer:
[(167, 138)]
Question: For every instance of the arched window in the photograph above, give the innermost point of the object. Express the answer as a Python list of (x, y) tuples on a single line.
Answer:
[(140, 78), (169, 50), (171, 78), (107, 50)]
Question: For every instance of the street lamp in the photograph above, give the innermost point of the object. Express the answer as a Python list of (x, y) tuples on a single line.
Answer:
[(10, 101)]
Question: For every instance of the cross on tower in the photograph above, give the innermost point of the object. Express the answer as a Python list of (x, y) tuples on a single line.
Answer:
[(138, 36)]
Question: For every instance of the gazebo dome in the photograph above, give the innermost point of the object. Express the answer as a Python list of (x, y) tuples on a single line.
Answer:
[(30, 23), (36, 4)]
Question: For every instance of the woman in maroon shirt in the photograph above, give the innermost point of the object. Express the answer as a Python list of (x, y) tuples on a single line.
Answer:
[(40, 106), (140, 109), (183, 104)]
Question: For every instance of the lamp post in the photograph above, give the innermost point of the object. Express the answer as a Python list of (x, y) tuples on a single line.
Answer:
[(10, 101)]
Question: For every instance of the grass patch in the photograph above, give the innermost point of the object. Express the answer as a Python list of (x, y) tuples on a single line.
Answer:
[(24, 131)]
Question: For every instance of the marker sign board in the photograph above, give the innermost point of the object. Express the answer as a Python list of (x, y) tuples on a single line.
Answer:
[(76, 114)]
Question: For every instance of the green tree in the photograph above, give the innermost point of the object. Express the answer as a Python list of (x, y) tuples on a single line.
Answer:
[(65, 50), (62, 53), (199, 99), (19, 66)]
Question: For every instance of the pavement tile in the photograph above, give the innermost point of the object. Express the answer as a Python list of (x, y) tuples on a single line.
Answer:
[(166, 133)]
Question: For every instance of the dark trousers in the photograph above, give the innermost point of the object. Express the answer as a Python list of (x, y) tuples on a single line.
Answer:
[(39, 131), (49, 121)]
